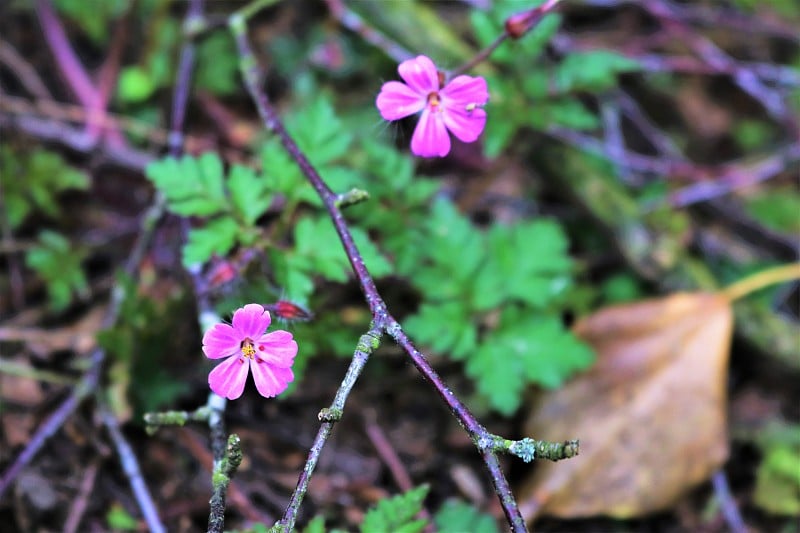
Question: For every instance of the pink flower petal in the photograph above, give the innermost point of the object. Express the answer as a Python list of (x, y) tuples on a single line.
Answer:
[(221, 340), (229, 377), (466, 125), (464, 90), (251, 321), (277, 348), (270, 381), (420, 74), (430, 137), (397, 100)]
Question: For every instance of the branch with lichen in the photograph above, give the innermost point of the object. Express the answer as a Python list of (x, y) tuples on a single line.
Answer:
[(220, 479), (382, 321)]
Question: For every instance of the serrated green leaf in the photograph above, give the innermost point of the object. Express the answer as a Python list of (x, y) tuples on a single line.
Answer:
[(396, 514), (192, 186), (249, 194), (526, 262), (454, 250), (319, 132), (445, 328), (459, 517), (215, 238), (319, 249), (283, 176), (525, 349)]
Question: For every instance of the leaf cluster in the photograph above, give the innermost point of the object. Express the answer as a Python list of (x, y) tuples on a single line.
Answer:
[(530, 91), (399, 514), (31, 184), (199, 187), (490, 297)]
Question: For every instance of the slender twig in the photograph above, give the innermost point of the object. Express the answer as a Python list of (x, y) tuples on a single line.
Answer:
[(81, 502), (130, 465), (390, 458), (223, 472), (68, 63), (516, 26), (709, 52), (727, 504), (735, 177), (73, 72), (709, 15), (329, 416), (26, 74), (353, 22), (386, 452), (88, 383), (382, 320)]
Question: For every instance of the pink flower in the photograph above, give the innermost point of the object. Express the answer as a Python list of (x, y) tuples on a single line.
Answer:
[(456, 107), (247, 346)]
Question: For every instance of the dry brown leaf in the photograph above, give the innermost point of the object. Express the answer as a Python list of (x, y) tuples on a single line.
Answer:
[(78, 336), (650, 415)]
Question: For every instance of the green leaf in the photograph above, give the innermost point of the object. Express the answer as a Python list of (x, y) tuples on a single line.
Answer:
[(526, 262), (396, 514), (218, 64), (318, 248), (249, 194), (445, 328), (283, 176), (192, 186), (296, 283), (568, 112), (777, 209), (319, 132), (778, 478), (778, 481), (31, 182), (118, 519), (316, 525), (594, 71), (525, 349), (59, 265), (135, 84), (94, 18), (454, 250), (215, 238), (458, 517)]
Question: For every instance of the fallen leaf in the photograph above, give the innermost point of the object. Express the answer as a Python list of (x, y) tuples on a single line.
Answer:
[(78, 336), (650, 415)]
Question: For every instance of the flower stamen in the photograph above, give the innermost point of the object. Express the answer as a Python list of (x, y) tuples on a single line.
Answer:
[(247, 349)]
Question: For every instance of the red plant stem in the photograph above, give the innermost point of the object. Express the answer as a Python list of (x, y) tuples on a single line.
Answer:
[(382, 320), (74, 73)]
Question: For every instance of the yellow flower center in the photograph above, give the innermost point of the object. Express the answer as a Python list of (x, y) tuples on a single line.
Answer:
[(247, 349)]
